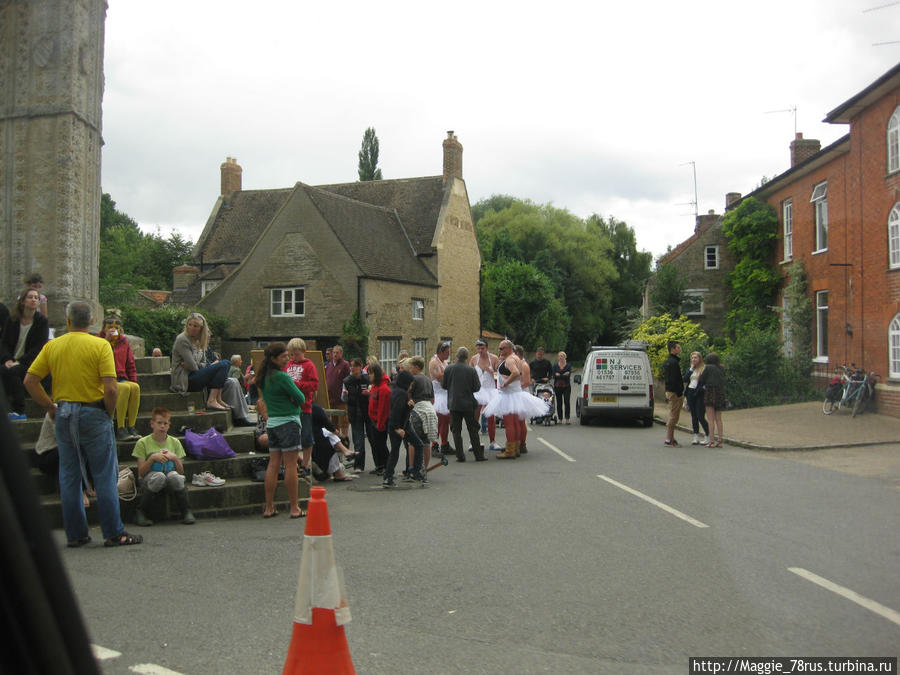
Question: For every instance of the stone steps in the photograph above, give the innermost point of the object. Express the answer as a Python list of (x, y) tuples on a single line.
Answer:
[(239, 495)]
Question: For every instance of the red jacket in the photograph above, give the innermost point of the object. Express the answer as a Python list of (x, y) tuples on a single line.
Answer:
[(304, 375), (380, 404), (124, 357)]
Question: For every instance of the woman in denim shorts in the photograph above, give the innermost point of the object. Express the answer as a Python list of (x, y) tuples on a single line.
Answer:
[(283, 400)]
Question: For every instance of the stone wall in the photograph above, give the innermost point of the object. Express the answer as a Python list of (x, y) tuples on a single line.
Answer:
[(458, 269), (51, 88), (389, 305)]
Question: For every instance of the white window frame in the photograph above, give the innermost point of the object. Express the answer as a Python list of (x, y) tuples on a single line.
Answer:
[(706, 251), (695, 293), (388, 350), (418, 309), (787, 212), (894, 347), (893, 142), (282, 293), (821, 326), (894, 237), (819, 200), (419, 345), (207, 286)]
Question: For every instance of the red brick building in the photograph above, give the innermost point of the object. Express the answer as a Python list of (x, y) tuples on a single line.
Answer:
[(839, 213)]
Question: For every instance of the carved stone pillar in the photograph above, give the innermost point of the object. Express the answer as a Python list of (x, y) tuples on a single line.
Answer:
[(51, 89)]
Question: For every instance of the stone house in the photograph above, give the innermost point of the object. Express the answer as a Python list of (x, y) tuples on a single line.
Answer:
[(300, 261), (704, 262), (839, 213)]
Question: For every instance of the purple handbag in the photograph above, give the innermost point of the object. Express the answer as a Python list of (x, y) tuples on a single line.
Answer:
[(208, 445)]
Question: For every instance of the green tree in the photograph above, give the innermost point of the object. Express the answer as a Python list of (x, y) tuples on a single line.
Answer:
[(355, 338), (521, 303), (667, 292), (574, 255), (368, 156), (160, 325), (751, 229), (633, 269), (657, 331), (131, 260)]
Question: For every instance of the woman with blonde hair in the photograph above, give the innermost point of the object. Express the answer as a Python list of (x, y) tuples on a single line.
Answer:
[(191, 371), (694, 399)]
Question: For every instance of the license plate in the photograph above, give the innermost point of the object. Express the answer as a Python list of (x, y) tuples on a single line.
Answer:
[(597, 398)]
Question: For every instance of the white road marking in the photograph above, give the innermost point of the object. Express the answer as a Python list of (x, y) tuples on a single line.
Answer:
[(151, 669), (556, 450), (102, 653), (664, 507), (862, 601)]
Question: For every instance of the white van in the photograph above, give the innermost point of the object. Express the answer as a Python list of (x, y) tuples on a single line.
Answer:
[(615, 382)]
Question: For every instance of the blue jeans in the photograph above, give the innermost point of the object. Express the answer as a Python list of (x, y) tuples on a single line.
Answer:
[(358, 431), (83, 431), (210, 377)]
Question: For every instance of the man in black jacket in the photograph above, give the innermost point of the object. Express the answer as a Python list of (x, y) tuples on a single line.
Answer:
[(461, 382), (674, 390), (541, 368)]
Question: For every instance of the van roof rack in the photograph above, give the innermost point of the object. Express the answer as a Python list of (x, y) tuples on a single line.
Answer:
[(636, 345)]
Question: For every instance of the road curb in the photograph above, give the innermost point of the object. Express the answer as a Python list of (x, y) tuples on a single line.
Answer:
[(748, 445)]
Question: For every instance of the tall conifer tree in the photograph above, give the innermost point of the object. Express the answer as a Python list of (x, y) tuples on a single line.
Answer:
[(368, 156)]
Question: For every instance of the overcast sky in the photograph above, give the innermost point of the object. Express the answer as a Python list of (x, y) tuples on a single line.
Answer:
[(595, 106)]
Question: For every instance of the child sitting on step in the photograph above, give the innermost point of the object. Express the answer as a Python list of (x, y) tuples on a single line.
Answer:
[(160, 468)]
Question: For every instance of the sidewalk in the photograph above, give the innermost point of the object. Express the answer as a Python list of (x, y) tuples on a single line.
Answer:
[(796, 426)]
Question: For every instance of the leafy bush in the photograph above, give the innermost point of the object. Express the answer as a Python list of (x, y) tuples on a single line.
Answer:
[(355, 338), (756, 373), (658, 330), (160, 325)]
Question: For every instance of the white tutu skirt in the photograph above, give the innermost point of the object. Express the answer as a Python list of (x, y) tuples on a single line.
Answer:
[(511, 400), (440, 400), (485, 395)]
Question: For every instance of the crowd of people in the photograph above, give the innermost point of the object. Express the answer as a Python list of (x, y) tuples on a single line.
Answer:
[(404, 416)]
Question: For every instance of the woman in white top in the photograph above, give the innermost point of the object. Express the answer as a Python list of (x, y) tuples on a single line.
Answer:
[(693, 398)]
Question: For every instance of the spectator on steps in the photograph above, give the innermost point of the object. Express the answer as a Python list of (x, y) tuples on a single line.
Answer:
[(160, 468), (126, 375), (25, 333)]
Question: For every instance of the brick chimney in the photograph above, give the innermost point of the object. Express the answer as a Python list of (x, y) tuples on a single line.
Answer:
[(705, 222), (231, 176), (182, 277), (731, 198), (452, 157), (803, 148)]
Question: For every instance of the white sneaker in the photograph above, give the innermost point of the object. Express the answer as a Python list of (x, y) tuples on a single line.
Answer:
[(494, 447), (695, 440), (702, 440), (206, 478)]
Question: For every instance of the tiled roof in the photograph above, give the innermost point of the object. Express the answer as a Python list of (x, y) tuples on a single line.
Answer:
[(417, 202), (238, 224), (373, 237), (159, 297)]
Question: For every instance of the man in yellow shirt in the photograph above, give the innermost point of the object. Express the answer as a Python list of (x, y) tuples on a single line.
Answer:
[(83, 407)]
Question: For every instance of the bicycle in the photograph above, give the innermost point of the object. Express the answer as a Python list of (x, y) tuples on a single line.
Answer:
[(856, 388)]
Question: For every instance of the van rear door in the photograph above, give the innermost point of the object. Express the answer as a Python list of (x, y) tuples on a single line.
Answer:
[(619, 379)]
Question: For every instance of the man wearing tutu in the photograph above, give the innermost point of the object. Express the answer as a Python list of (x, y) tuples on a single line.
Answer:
[(486, 365), (436, 371), (513, 404)]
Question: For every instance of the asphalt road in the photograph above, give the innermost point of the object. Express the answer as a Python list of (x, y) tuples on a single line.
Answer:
[(555, 562)]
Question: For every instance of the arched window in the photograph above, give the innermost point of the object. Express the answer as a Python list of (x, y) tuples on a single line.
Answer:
[(894, 236), (893, 142), (894, 346)]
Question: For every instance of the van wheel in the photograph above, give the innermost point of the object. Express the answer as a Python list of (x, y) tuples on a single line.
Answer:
[(583, 420), (648, 421)]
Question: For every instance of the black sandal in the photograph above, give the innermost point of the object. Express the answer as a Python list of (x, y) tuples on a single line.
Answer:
[(124, 539)]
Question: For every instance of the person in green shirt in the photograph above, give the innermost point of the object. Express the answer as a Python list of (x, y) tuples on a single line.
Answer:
[(160, 468), (282, 405)]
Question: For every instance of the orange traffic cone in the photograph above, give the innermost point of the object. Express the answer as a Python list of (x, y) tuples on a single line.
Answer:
[(318, 643)]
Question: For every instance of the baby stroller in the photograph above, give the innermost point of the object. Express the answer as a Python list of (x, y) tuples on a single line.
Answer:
[(544, 390)]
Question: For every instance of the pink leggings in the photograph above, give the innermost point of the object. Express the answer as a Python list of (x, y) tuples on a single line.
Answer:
[(513, 427)]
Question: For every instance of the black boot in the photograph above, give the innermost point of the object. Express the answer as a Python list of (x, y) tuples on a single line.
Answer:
[(187, 516), (140, 515)]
